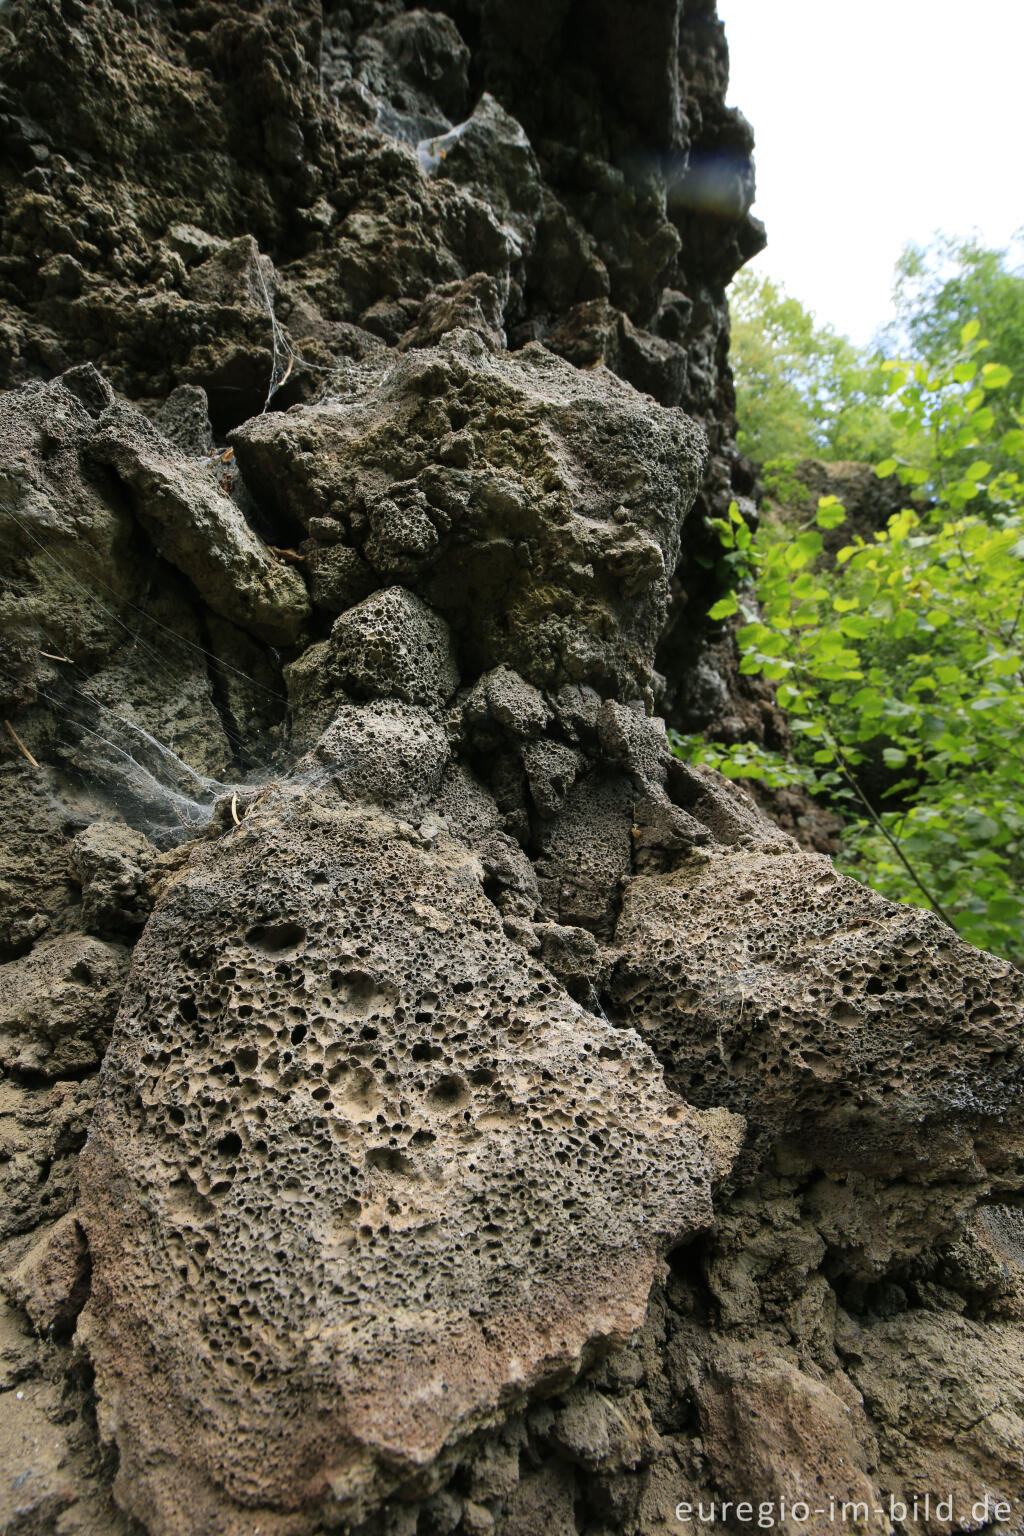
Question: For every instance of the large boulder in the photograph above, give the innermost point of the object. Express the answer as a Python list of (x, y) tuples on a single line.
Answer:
[(363, 1176)]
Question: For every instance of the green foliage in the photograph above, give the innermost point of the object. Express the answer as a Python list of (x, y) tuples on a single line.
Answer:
[(958, 441), (950, 284), (901, 665), (802, 391)]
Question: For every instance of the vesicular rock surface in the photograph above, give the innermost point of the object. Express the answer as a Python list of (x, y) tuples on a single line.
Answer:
[(393, 1178), (501, 1126)]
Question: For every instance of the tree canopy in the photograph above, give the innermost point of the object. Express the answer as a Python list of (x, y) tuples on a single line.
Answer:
[(804, 391)]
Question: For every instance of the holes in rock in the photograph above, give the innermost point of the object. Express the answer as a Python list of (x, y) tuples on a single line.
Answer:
[(229, 1145), (299, 1034), (390, 1160), (276, 938), (449, 1093), (357, 1094), (361, 994)]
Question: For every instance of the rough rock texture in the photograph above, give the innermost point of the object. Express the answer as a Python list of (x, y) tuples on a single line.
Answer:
[(537, 507), (196, 526), (772, 1000), (457, 1180), (57, 1006), (502, 1130)]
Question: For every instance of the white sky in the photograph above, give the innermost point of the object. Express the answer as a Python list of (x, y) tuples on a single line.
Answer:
[(877, 122)]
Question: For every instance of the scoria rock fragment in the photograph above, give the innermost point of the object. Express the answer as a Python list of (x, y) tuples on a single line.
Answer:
[(363, 1176)]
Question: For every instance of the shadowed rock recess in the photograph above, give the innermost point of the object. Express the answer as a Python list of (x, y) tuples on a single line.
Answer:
[(427, 1107)]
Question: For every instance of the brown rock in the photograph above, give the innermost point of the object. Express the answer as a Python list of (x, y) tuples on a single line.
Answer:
[(772, 1433), (51, 1282), (397, 1179), (57, 1005)]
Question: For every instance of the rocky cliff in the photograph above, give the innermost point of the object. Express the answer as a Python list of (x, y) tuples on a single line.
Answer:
[(427, 1106)]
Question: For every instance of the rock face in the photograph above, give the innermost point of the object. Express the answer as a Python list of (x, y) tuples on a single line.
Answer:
[(501, 1127), (538, 508)]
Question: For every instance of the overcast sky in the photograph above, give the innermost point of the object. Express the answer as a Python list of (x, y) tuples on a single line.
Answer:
[(877, 123)]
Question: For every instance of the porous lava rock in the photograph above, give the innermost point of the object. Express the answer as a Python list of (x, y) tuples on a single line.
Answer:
[(116, 866), (777, 982), (394, 644), (57, 1005), (537, 507), (370, 1179)]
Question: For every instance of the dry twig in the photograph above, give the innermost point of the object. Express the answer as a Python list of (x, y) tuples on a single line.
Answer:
[(20, 744)]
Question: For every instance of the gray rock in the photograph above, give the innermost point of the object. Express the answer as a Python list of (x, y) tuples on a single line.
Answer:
[(551, 769), (387, 753), (552, 556), (184, 419), (767, 982), (199, 529), (114, 864), (57, 1005), (393, 646), (490, 154), (338, 576)]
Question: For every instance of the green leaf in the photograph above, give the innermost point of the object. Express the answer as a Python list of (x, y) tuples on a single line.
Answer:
[(886, 468), (978, 470), (969, 332), (893, 757), (995, 376), (830, 514), (724, 607)]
